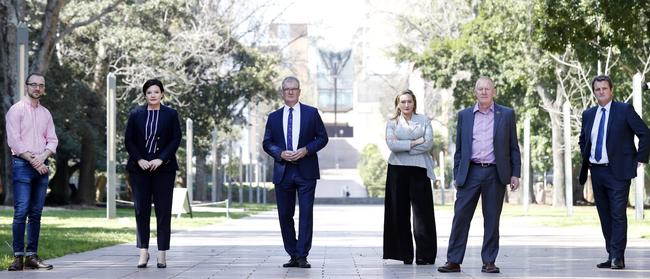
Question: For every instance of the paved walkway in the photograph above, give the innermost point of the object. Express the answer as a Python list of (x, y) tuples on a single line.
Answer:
[(347, 244)]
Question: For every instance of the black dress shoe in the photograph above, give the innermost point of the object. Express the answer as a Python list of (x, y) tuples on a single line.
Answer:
[(409, 261), (17, 265), (606, 264), (490, 268), (161, 265), (424, 262), (33, 262), (618, 264), (291, 263), (303, 263), (449, 267)]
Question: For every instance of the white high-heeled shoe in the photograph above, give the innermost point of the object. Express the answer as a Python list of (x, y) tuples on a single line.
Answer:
[(162, 259), (144, 258)]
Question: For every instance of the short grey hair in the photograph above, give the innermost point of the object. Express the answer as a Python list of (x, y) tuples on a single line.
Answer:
[(290, 78)]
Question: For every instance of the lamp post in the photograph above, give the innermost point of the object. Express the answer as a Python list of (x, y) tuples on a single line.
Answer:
[(335, 62)]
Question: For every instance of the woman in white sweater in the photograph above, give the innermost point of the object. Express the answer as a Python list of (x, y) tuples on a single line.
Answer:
[(408, 184)]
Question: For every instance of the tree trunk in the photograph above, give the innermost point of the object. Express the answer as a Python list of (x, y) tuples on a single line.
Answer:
[(46, 39), (201, 177), (87, 193), (220, 170), (11, 13), (60, 191), (557, 145)]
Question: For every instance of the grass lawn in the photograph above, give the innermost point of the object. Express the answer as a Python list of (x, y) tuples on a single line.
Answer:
[(67, 231)]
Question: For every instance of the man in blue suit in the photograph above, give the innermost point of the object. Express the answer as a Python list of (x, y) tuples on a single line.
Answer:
[(293, 135), (487, 159), (607, 148)]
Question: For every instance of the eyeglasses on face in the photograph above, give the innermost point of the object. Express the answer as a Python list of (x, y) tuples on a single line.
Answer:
[(290, 89), (35, 85)]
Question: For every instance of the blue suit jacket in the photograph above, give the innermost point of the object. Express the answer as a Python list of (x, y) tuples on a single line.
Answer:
[(506, 146), (313, 136), (622, 125), (168, 136)]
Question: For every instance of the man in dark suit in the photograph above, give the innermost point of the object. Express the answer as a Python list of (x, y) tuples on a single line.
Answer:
[(294, 133), (487, 158), (607, 148)]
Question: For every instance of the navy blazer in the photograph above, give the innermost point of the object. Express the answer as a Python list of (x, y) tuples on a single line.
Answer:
[(622, 125), (506, 146), (313, 136), (168, 136)]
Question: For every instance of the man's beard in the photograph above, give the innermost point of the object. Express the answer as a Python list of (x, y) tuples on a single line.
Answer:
[(32, 95)]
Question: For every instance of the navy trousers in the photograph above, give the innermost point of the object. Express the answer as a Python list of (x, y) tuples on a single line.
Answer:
[(285, 193), (481, 182), (159, 186), (611, 197)]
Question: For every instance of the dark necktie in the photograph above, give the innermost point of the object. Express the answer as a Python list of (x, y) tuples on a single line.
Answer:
[(599, 138), (290, 130)]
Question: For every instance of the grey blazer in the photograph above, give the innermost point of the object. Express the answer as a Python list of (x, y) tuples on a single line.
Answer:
[(506, 146), (398, 139)]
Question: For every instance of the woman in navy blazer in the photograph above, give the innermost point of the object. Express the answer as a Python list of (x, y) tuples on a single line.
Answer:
[(152, 137)]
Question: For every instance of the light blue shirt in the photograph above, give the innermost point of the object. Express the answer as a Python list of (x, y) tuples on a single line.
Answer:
[(594, 135)]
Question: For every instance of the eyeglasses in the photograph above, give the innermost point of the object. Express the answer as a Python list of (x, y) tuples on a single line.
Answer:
[(35, 85), (290, 89)]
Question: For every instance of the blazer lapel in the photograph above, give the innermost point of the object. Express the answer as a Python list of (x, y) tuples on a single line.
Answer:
[(303, 126), (497, 120), (278, 119), (469, 128), (591, 117), (610, 117)]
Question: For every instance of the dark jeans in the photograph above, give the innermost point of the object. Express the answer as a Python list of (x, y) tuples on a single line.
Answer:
[(30, 188)]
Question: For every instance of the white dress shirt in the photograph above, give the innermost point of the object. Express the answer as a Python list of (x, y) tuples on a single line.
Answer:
[(594, 135), (295, 128)]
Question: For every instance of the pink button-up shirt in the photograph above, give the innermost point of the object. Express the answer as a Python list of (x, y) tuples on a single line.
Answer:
[(483, 136), (30, 129)]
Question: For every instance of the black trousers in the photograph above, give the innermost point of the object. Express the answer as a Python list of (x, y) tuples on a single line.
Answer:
[(409, 187), (158, 186)]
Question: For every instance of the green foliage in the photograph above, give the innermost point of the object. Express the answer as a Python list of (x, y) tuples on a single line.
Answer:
[(372, 168)]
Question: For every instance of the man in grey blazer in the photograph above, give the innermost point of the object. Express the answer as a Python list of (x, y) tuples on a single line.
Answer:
[(487, 158)]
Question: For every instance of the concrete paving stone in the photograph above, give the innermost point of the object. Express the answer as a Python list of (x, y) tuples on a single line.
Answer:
[(348, 244)]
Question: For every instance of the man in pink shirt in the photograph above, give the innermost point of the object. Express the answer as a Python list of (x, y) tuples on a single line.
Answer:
[(31, 137), (487, 159)]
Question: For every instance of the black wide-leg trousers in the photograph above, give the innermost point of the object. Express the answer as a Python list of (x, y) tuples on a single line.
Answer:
[(158, 186), (407, 188)]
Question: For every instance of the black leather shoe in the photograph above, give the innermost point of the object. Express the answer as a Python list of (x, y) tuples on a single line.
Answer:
[(606, 264), (490, 268), (33, 262), (409, 261), (303, 263), (17, 264), (424, 262), (161, 265), (449, 267), (618, 264), (291, 263)]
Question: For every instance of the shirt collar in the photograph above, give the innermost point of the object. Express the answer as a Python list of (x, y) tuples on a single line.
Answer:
[(28, 102), (490, 109), (607, 107), (296, 107)]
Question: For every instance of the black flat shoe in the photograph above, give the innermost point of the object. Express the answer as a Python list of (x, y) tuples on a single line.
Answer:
[(303, 263), (161, 265), (606, 264), (423, 262)]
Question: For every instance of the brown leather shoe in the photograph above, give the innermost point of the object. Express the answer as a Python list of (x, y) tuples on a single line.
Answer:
[(490, 268), (33, 262), (17, 264), (449, 267)]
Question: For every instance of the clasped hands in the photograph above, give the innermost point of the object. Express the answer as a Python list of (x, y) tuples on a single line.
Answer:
[(292, 156), (417, 141), (149, 165), (37, 161)]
